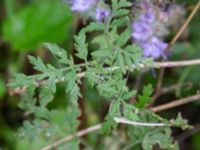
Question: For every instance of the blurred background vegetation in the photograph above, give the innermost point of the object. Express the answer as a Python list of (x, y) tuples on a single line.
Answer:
[(26, 24)]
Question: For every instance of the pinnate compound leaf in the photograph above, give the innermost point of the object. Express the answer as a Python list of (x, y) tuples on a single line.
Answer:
[(161, 136), (129, 112), (81, 45), (118, 7), (94, 26), (119, 22), (46, 95), (124, 37), (80, 40), (59, 52), (37, 63), (180, 122), (60, 124), (115, 108), (120, 61), (108, 125), (145, 97), (107, 90), (150, 136), (20, 80), (128, 95), (137, 133), (66, 120), (72, 88)]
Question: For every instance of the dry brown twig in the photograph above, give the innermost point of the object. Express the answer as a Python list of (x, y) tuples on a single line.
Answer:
[(173, 41), (98, 126), (176, 103), (70, 137), (164, 90), (186, 23)]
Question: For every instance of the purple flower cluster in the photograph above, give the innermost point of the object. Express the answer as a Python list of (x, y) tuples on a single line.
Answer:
[(145, 30), (94, 7)]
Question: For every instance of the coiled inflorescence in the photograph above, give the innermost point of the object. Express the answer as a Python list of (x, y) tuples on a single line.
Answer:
[(149, 29)]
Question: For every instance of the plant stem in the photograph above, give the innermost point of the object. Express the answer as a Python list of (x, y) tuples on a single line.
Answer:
[(173, 41), (99, 126), (70, 137), (176, 103), (125, 121), (82, 74), (184, 26)]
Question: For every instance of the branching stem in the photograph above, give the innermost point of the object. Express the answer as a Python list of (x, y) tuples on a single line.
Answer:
[(82, 74), (176, 103), (98, 126), (173, 41), (125, 121)]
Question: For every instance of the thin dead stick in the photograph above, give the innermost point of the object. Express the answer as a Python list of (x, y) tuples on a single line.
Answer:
[(173, 41), (187, 85), (182, 29), (176, 103), (136, 87), (82, 74), (160, 80), (70, 137), (99, 126), (177, 63)]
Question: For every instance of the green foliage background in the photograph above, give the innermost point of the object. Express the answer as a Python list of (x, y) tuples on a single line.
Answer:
[(26, 25)]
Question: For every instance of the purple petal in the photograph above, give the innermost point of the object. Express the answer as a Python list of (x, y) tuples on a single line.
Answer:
[(141, 31), (154, 48), (102, 13), (148, 17), (82, 5)]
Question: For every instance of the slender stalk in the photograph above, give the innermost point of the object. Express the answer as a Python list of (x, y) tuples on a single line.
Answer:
[(171, 88), (125, 121), (173, 41), (82, 74), (76, 66), (98, 126), (176, 103), (70, 137), (182, 29)]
